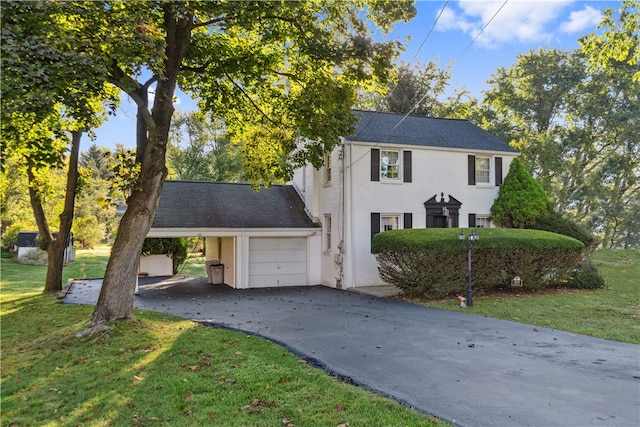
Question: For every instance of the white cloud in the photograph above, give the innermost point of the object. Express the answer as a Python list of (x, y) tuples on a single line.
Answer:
[(581, 20), (518, 20)]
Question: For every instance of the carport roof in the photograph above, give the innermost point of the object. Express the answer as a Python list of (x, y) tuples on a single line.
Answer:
[(194, 204)]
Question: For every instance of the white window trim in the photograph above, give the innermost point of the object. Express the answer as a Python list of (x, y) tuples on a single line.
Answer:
[(488, 171), (484, 219), (384, 178), (328, 169), (398, 218), (327, 233)]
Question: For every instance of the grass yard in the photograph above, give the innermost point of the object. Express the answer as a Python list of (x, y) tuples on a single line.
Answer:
[(611, 312), (158, 369)]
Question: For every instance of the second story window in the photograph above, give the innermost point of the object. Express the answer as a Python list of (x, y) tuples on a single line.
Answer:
[(483, 170), (327, 168), (389, 165)]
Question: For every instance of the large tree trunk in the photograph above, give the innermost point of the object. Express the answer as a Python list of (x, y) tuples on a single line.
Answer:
[(118, 287), (55, 247)]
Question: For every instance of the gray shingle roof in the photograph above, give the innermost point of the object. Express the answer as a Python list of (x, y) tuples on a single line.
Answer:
[(191, 204), (424, 131)]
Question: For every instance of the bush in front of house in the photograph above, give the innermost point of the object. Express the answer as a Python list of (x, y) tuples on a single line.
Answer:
[(433, 262), (521, 199), (556, 223), (585, 276), (176, 248)]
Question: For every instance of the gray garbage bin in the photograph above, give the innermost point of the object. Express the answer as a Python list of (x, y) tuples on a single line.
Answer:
[(217, 274)]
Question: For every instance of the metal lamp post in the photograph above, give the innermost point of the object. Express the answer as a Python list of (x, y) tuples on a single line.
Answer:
[(473, 237)]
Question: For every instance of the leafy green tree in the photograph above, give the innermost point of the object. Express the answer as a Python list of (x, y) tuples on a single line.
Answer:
[(521, 200), (576, 132), (49, 88), (95, 159), (619, 40), (418, 89), (200, 150), (277, 72)]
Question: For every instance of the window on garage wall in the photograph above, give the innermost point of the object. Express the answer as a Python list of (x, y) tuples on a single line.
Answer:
[(327, 233)]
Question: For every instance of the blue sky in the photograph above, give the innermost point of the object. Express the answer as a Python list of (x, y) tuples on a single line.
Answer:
[(510, 28)]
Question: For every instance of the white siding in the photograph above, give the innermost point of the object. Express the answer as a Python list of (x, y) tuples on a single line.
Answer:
[(434, 171)]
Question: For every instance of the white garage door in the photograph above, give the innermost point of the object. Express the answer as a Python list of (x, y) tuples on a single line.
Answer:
[(277, 262)]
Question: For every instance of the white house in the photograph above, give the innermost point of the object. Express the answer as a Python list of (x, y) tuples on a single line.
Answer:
[(392, 172), (399, 172)]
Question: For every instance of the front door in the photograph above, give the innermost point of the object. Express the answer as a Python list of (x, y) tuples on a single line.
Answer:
[(440, 221)]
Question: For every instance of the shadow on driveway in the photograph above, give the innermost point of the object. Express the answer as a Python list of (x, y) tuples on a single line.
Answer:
[(465, 369)]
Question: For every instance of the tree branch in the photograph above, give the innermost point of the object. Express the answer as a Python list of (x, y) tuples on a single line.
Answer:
[(200, 69), (246, 95)]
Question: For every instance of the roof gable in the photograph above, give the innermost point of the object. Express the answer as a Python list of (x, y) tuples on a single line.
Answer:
[(396, 128), (192, 204)]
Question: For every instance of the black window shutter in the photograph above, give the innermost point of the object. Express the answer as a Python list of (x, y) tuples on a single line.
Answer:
[(406, 166), (472, 220), (408, 220), (471, 167), (498, 170), (375, 164), (375, 225)]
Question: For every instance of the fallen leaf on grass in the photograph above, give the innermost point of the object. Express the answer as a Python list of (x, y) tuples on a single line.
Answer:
[(136, 378), (188, 398), (343, 425), (194, 368)]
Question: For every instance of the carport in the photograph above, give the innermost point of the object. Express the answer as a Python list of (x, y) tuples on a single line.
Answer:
[(262, 238)]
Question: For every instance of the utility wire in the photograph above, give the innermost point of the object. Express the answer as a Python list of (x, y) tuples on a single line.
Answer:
[(481, 31), (415, 55), (454, 62)]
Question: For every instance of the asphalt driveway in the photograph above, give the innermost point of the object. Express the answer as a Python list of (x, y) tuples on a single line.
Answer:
[(466, 369)]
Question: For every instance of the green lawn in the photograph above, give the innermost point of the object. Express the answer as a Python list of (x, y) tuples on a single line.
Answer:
[(611, 312), (158, 369)]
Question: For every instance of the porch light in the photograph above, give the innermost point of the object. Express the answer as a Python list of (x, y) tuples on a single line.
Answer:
[(473, 237)]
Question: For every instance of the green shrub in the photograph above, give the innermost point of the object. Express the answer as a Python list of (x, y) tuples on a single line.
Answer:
[(433, 262), (34, 257), (521, 200), (556, 223), (585, 276), (176, 248)]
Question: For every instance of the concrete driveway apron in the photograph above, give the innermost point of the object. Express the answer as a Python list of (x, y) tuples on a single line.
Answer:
[(463, 368)]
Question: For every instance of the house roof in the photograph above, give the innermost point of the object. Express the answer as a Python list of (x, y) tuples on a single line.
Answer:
[(391, 128), (193, 204)]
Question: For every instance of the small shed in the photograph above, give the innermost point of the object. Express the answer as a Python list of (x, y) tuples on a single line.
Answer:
[(29, 240)]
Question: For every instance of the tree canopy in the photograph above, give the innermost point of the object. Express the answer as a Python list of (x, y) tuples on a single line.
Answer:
[(282, 74)]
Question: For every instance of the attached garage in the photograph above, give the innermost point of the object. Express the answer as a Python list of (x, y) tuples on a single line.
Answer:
[(277, 261), (262, 238)]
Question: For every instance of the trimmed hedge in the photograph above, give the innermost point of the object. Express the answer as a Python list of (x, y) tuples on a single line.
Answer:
[(433, 262), (556, 223)]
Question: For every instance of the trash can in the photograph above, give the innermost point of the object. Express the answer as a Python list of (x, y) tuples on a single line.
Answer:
[(217, 274)]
